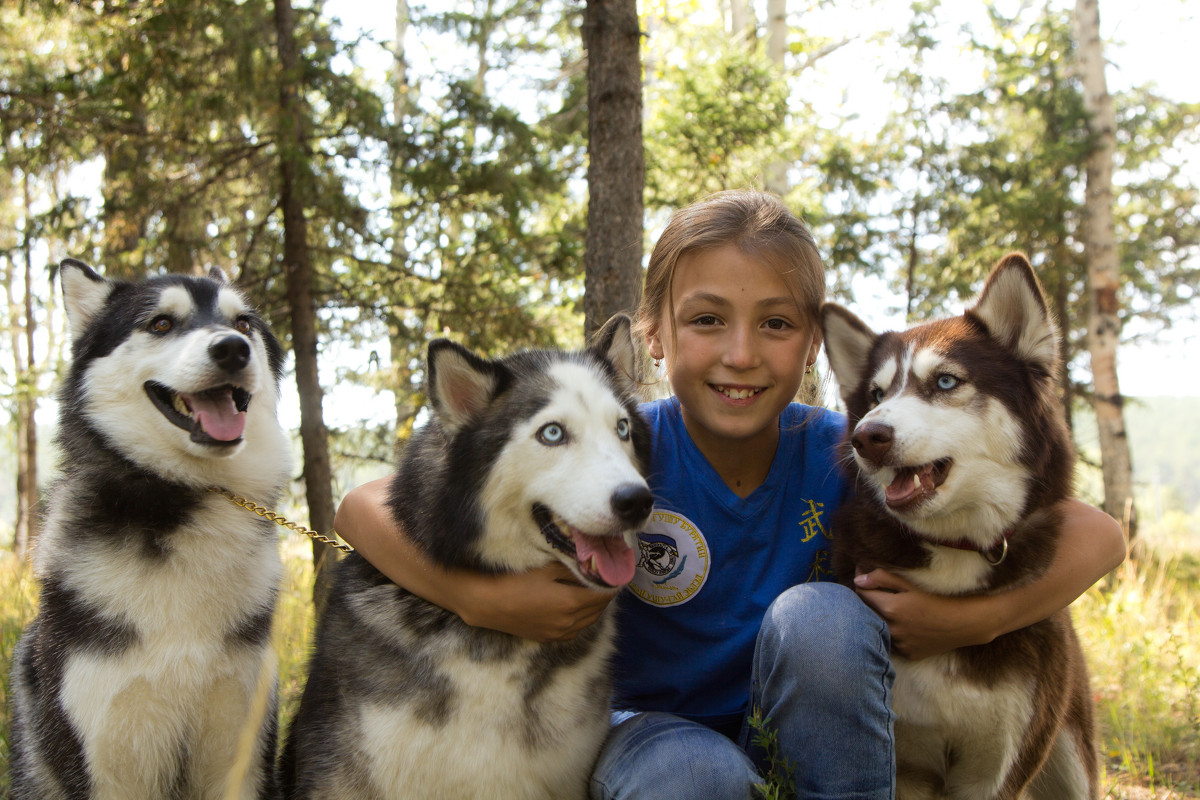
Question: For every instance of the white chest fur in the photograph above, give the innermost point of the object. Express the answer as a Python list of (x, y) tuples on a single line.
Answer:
[(495, 741)]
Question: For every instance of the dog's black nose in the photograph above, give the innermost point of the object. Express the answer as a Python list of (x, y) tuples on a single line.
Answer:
[(873, 441), (632, 502), (230, 353)]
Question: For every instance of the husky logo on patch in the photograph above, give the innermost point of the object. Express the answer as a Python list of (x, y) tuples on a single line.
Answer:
[(673, 560)]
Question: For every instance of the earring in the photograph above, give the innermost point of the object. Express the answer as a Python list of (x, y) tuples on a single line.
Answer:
[(657, 363)]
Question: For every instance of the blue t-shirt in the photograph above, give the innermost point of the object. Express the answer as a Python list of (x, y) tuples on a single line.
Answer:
[(710, 563)]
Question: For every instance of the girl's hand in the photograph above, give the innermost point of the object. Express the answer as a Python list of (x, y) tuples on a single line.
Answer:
[(924, 624), (545, 604), (1090, 546)]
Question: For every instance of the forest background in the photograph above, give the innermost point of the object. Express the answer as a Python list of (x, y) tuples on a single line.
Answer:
[(377, 176)]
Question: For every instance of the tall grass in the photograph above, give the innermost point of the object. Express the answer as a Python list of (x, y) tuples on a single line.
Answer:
[(18, 602), (1140, 630), (1141, 634)]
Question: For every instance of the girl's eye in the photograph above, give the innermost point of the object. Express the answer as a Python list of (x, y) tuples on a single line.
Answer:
[(778, 324), (243, 325), (623, 429), (161, 324), (877, 395), (705, 320), (552, 434), (947, 382)]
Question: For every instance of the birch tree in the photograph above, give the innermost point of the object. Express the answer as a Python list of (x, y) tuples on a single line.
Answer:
[(1103, 271), (776, 179)]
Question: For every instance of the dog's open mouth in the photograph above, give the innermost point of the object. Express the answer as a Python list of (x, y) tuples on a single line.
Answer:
[(214, 416), (911, 485), (602, 560)]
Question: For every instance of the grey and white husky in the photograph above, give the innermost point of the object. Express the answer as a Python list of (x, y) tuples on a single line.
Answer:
[(531, 458), (147, 673), (961, 455)]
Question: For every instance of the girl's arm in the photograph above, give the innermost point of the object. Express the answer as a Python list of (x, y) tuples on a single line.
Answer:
[(1091, 544), (545, 604)]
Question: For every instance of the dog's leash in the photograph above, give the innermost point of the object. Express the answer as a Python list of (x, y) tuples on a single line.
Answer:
[(279, 519)]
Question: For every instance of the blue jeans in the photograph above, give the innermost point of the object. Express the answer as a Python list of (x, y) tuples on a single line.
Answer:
[(821, 675)]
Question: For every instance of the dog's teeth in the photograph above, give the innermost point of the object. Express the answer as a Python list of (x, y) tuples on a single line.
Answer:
[(916, 481), (181, 406)]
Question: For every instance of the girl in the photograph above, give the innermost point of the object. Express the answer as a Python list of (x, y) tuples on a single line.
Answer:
[(729, 611)]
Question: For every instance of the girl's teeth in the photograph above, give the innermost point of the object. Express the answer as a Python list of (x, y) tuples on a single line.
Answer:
[(737, 394)]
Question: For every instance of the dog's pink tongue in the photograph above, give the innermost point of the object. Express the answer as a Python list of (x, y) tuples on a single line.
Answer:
[(217, 415), (615, 560), (910, 485)]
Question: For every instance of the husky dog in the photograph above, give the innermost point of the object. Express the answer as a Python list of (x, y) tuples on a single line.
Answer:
[(531, 458), (148, 673), (961, 454)]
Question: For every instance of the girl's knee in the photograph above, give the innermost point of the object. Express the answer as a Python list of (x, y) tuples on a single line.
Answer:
[(822, 626)]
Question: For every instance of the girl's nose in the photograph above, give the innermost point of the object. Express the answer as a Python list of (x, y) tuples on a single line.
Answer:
[(741, 351)]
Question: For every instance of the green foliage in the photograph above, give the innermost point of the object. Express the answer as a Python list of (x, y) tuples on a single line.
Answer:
[(713, 125), (955, 180), (779, 783)]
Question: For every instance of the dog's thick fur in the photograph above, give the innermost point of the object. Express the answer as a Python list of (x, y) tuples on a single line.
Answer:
[(535, 457), (960, 455), (147, 673)]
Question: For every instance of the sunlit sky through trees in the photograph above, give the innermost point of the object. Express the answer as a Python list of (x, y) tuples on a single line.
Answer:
[(1152, 41)]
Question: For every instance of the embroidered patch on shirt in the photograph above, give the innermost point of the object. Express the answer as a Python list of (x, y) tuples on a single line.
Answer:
[(673, 560)]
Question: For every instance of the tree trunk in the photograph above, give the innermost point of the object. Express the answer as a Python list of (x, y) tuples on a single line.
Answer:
[(616, 163), (125, 211), (21, 329), (741, 20), (776, 179), (298, 271), (402, 105), (1104, 325)]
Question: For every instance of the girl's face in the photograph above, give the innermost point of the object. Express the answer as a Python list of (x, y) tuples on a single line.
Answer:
[(738, 349)]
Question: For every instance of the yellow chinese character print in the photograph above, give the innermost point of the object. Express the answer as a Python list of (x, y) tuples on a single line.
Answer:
[(821, 568), (811, 521)]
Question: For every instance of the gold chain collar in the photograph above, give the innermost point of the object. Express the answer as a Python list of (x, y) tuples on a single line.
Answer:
[(279, 519)]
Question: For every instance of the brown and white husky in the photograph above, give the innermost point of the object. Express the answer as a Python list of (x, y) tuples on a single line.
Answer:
[(961, 455)]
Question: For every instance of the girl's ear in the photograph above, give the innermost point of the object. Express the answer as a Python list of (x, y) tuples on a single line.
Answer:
[(655, 346), (814, 350), (654, 343)]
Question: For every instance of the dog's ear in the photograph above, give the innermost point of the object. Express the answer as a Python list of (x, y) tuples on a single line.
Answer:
[(614, 343), (461, 384), (1013, 308), (848, 343), (84, 294), (217, 274)]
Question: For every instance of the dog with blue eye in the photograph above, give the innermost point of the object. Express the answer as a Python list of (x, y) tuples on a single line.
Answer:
[(528, 459), (960, 455)]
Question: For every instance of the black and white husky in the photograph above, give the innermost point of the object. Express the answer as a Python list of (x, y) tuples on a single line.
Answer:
[(147, 673), (531, 458), (961, 455)]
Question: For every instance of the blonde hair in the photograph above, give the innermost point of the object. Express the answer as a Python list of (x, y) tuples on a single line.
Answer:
[(760, 226)]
